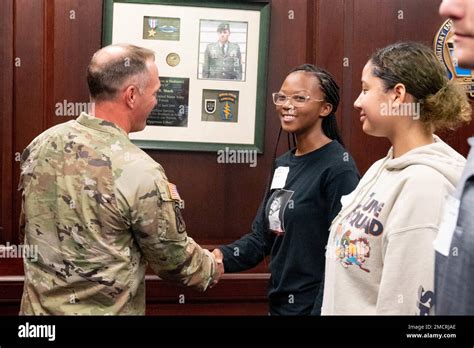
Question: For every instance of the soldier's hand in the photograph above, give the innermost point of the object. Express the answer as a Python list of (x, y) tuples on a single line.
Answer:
[(219, 257)]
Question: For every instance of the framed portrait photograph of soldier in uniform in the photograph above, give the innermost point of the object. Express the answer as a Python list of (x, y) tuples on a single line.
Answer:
[(212, 63), (222, 50)]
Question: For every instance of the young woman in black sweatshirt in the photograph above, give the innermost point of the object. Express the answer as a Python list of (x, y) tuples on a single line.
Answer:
[(307, 183)]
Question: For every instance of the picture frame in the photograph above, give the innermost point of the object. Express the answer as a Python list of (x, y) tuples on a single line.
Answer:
[(212, 62)]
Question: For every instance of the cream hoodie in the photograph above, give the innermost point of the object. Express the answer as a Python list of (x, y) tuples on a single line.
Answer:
[(380, 256)]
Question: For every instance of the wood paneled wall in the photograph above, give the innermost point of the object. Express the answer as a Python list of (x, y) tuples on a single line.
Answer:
[(53, 51), (6, 120)]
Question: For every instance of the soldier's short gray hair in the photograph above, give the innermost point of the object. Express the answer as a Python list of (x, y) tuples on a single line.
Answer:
[(112, 66)]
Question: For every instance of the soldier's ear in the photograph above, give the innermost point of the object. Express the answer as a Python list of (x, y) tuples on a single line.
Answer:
[(130, 95)]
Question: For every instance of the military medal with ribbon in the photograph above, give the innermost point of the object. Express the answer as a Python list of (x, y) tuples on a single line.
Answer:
[(152, 24)]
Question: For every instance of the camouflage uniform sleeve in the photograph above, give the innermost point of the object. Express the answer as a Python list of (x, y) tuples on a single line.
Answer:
[(160, 232), (28, 162)]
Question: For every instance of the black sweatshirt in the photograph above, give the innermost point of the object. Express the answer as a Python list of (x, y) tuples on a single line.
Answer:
[(294, 228)]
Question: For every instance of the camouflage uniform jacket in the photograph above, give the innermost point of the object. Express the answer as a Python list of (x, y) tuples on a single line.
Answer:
[(97, 208)]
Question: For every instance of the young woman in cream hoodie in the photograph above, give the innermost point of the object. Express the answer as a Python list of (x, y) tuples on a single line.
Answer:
[(380, 256)]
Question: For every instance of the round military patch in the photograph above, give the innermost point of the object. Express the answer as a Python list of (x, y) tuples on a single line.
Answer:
[(444, 49), (173, 59)]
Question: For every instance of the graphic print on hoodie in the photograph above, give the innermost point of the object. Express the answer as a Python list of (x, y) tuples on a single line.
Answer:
[(352, 245), (380, 257)]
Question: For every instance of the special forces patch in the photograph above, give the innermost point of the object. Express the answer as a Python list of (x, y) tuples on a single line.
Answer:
[(228, 99), (444, 49), (220, 106), (210, 105)]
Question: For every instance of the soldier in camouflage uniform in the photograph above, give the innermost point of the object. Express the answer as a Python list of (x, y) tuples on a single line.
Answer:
[(222, 59), (98, 208)]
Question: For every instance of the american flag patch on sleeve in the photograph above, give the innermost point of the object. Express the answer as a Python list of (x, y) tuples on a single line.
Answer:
[(173, 191)]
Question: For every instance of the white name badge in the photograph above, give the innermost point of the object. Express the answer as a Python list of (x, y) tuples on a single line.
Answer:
[(447, 226), (279, 177)]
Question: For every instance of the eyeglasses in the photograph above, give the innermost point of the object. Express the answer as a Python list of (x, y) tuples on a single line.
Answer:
[(296, 99)]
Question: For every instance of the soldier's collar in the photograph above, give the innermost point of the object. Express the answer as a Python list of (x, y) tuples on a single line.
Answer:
[(100, 124)]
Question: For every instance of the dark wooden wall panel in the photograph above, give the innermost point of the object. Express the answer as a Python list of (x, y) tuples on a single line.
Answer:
[(6, 121), (76, 35), (366, 35), (329, 49), (29, 94)]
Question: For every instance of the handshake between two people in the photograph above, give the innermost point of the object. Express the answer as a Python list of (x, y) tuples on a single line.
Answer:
[(219, 257)]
